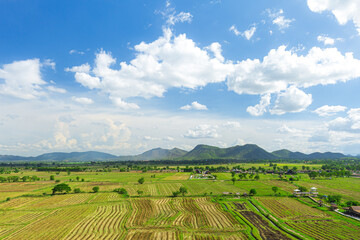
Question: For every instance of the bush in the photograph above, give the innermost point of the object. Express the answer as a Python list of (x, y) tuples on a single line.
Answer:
[(95, 189), (77, 190), (121, 191)]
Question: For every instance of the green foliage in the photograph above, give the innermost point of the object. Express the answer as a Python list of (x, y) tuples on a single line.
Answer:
[(139, 192), (334, 199), (302, 189), (275, 189), (141, 180), (183, 191), (62, 187), (352, 203), (77, 190), (121, 191), (95, 189), (252, 191), (52, 177)]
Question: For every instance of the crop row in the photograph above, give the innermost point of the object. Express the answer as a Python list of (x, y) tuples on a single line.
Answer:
[(54, 226), (106, 223), (288, 208), (326, 229)]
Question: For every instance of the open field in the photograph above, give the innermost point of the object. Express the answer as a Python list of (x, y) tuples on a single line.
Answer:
[(32, 213)]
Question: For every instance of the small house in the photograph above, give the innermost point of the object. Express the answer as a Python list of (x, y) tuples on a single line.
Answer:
[(313, 192), (354, 210)]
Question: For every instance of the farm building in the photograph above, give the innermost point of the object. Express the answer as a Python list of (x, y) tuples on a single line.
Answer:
[(354, 210), (313, 192)]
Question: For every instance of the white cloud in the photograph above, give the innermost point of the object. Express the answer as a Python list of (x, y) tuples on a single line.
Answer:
[(286, 130), (234, 30), (231, 124), (55, 89), (326, 40), (279, 19), (248, 34), (83, 100), (85, 68), (172, 17), (327, 110), (281, 68), (261, 108), (194, 106), (74, 51), (350, 123), (87, 80), (292, 100), (170, 61), (344, 10), (202, 131), (22, 79), (49, 63), (148, 138), (124, 105)]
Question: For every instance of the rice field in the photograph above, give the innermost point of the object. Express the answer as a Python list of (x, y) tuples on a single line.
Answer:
[(28, 211)]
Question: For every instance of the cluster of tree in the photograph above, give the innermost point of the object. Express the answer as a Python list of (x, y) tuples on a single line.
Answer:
[(18, 179), (182, 191), (61, 169), (121, 191), (334, 199), (333, 173)]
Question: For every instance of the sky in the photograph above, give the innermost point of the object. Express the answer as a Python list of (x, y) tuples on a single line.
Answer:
[(127, 76)]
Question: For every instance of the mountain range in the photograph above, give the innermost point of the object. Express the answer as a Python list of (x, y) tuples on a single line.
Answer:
[(200, 152)]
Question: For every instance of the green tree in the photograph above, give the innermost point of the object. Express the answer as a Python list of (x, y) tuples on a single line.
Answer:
[(62, 187), (141, 180), (302, 189), (176, 193), (77, 190), (52, 178), (334, 199), (233, 180), (257, 177), (95, 189), (252, 191), (275, 189), (139, 192), (313, 175), (121, 191), (183, 191)]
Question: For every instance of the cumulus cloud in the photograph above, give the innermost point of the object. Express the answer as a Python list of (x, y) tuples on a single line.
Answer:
[(194, 106), (279, 19), (326, 40), (124, 105), (202, 131), (170, 61), (285, 130), (56, 89), (85, 68), (261, 108), (22, 79), (350, 123), (327, 110), (291, 100), (344, 11), (248, 34), (281, 68), (83, 100)]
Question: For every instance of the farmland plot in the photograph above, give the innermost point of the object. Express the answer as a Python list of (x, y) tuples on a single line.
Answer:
[(311, 221), (107, 222)]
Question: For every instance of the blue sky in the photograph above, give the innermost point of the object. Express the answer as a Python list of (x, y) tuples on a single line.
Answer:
[(127, 76)]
